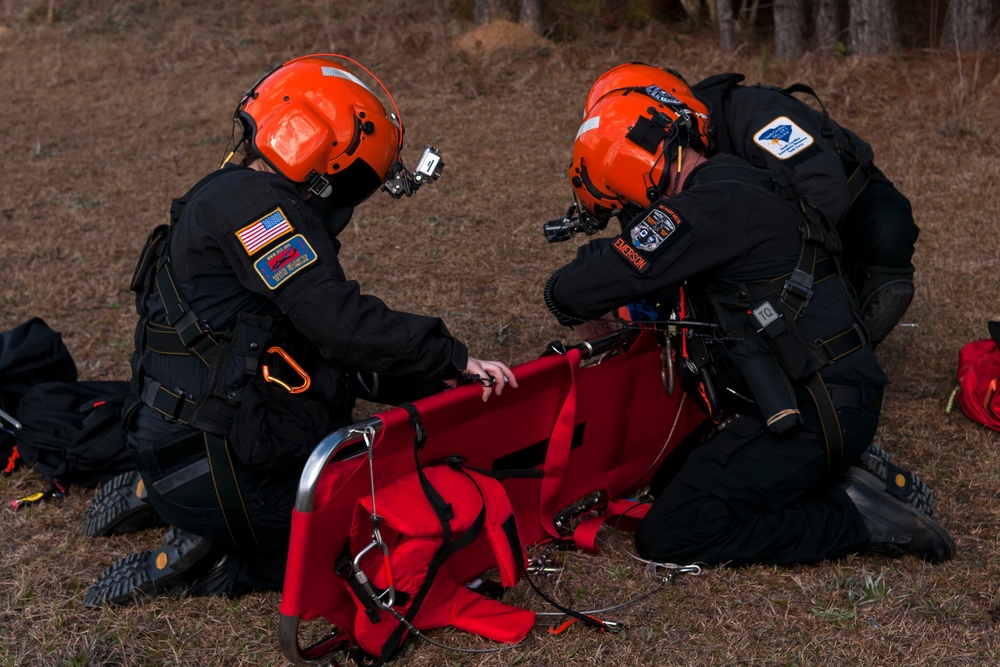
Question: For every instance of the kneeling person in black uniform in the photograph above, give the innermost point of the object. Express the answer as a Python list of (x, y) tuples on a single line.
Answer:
[(831, 165), (250, 337), (779, 479)]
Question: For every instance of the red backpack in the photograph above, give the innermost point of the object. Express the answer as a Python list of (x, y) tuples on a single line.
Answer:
[(978, 376)]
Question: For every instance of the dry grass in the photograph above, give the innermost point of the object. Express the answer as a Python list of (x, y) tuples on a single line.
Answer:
[(111, 109)]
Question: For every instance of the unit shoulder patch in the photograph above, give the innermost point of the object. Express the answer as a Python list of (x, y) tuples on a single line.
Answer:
[(284, 261), (258, 234), (656, 225), (782, 138)]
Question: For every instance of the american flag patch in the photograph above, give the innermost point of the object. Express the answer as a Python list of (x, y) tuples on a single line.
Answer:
[(271, 226)]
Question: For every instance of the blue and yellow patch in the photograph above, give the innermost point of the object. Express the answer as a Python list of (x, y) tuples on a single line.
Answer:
[(284, 261)]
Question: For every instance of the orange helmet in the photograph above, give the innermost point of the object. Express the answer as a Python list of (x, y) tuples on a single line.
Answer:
[(622, 151), (316, 123), (672, 88)]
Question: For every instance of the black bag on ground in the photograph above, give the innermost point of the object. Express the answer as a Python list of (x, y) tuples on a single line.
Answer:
[(72, 431), (30, 353)]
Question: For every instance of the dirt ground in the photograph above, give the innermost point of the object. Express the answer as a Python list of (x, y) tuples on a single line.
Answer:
[(110, 109)]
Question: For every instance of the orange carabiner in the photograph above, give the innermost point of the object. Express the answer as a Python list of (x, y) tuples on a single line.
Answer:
[(306, 381)]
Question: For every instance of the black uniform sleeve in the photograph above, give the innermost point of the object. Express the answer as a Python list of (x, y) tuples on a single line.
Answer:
[(671, 241), (299, 271)]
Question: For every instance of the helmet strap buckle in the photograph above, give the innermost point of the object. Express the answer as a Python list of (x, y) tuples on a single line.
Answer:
[(318, 185)]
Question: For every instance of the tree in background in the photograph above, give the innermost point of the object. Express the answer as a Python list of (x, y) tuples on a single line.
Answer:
[(969, 25), (529, 12), (826, 19), (861, 27), (874, 27), (789, 28)]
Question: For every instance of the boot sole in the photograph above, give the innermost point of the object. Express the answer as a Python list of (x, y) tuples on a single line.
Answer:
[(150, 573), (120, 506), (877, 461)]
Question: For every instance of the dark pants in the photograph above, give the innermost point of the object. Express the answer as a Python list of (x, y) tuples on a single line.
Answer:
[(171, 459), (879, 234), (750, 496)]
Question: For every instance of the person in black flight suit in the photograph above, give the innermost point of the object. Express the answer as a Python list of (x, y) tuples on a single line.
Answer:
[(794, 389), (250, 338), (829, 164)]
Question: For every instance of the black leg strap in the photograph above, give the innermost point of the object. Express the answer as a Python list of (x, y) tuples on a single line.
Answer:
[(829, 424), (227, 491)]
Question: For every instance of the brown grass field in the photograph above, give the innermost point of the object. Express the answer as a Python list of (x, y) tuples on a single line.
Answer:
[(110, 109)]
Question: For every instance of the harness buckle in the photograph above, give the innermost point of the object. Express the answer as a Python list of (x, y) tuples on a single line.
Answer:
[(799, 285)]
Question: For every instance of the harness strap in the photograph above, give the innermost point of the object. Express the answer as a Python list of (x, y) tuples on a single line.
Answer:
[(557, 455), (195, 333), (227, 492), (171, 403), (346, 572), (829, 424), (842, 344), (444, 514)]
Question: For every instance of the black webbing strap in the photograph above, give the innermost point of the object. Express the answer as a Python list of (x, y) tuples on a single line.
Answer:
[(195, 334), (829, 424), (227, 491), (843, 343), (825, 128), (170, 403), (444, 514), (164, 340), (345, 570), (816, 234)]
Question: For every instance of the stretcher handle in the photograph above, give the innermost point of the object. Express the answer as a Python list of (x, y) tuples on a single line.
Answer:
[(327, 449)]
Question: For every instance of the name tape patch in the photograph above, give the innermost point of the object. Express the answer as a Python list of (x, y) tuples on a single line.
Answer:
[(782, 138), (284, 261)]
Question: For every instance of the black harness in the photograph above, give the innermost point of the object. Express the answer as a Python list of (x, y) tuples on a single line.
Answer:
[(773, 353)]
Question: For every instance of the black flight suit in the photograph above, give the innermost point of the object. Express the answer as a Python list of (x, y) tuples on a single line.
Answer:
[(747, 495), (244, 247), (829, 164)]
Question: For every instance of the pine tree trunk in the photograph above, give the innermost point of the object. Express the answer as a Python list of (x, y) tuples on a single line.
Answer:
[(484, 11), (827, 21), (530, 15), (726, 25), (789, 29), (968, 25), (874, 28)]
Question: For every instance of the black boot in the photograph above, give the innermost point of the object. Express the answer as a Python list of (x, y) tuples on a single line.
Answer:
[(175, 567), (902, 484), (121, 505), (895, 527)]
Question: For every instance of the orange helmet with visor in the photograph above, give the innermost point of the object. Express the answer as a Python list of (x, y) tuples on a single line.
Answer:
[(624, 150), (318, 124)]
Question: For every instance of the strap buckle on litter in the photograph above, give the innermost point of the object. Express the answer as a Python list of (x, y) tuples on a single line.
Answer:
[(387, 599), (306, 380)]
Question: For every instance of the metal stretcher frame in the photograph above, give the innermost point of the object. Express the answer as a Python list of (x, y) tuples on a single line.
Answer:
[(596, 418)]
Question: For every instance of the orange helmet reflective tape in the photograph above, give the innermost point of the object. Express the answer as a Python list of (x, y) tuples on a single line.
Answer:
[(316, 123), (622, 150), (643, 75)]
